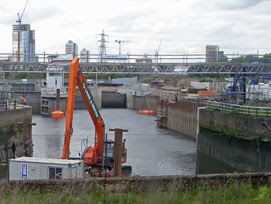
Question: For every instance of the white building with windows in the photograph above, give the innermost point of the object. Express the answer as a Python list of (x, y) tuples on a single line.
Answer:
[(84, 55), (71, 48), (34, 168)]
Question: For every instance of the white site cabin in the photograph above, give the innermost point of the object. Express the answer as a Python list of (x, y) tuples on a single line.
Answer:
[(34, 168)]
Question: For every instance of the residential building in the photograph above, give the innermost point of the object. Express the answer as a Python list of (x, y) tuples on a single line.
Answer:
[(71, 48), (23, 44), (84, 55)]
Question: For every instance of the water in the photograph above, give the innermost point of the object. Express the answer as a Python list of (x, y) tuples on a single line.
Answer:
[(151, 151)]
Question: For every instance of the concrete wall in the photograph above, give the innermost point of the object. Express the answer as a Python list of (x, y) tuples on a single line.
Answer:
[(130, 100), (240, 155), (113, 100), (13, 116), (35, 103), (180, 116), (138, 184), (97, 96), (239, 126), (49, 104), (145, 102), (9, 132)]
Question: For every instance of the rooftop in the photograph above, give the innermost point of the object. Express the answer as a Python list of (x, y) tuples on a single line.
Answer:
[(44, 160)]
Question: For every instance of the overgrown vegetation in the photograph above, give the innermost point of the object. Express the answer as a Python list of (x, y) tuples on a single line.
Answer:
[(23, 75), (234, 194), (7, 132)]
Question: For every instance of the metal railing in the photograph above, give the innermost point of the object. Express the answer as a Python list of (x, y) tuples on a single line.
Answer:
[(239, 109), (10, 105)]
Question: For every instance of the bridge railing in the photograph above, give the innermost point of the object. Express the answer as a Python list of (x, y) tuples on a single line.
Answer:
[(239, 109)]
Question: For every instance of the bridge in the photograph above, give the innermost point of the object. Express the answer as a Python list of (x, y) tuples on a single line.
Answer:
[(163, 65), (147, 68)]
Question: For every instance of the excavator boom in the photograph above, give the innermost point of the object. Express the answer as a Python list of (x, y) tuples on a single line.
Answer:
[(77, 78)]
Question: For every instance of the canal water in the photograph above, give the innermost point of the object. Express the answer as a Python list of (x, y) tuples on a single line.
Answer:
[(151, 151)]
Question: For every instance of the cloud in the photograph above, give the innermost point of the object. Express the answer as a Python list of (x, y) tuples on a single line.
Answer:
[(237, 4), (42, 13), (184, 25)]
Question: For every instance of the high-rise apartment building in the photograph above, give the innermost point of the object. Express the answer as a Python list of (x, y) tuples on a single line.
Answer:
[(214, 55), (71, 48), (212, 52), (23, 44)]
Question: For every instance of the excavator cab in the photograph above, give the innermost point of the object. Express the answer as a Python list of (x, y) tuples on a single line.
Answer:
[(108, 153)]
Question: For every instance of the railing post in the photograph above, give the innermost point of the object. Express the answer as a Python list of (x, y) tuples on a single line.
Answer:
[(6, 105), (14, 104)]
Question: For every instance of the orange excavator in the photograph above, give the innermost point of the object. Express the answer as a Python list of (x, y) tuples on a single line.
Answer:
[(93, 155)]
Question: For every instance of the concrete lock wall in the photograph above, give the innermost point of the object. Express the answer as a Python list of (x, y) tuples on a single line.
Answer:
[(239, 126), (129, 100), (97, 96), (138, 184), (11, 132), (240, 155), (180, 117), (113, 100), (35, 104), (145, 102)]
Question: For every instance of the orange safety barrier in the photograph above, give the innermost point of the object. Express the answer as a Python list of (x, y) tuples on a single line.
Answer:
[(207, 93), (147, 112), (57, 114)]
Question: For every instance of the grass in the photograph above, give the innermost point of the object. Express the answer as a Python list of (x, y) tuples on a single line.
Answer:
[(234, 194)]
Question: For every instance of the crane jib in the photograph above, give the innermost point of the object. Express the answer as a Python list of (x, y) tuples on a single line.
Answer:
[(91, 101)]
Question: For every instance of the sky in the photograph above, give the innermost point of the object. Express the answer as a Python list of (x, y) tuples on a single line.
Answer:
[(181, 26)]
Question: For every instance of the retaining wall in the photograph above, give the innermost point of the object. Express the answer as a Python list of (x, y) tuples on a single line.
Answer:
[(137, 184), (237, 125), (9, 132), (97, 97), (113, 100), (180, 117), (145, 102)]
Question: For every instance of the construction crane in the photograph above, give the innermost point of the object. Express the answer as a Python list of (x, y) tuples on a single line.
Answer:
[(21, 16), (120, 42), (157, 51)]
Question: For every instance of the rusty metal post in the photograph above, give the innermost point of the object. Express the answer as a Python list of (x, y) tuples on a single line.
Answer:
[(27, 137), (58, 99), (118, 148)]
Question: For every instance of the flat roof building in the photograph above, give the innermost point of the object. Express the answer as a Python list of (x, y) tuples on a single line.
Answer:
[(71, 48), (212, 52)]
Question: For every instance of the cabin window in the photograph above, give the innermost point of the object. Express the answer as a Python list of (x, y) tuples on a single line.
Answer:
[(55, 173)]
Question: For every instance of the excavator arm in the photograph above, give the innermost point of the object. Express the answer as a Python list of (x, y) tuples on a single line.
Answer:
[(92, 155)]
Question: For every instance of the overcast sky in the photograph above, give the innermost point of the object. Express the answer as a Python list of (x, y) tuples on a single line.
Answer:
[(239, 26)]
